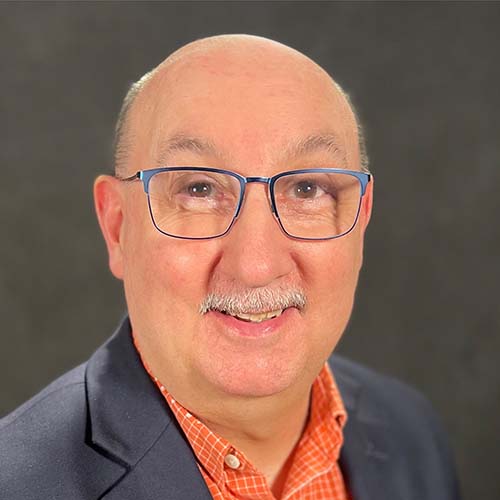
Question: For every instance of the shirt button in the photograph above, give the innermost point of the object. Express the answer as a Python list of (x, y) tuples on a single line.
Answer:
[(232, 461)]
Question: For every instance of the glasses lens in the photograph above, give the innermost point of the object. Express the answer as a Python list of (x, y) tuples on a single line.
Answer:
[(193, 203), (317, 205)]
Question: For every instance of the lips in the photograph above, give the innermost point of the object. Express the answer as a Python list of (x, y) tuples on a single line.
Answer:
[(253, 325), (256, 317)]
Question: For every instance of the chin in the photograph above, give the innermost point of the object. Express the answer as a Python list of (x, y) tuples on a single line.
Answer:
[(252, 378)]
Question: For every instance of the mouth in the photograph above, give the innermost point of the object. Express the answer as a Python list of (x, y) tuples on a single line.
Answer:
[(252, 324), (255, 317)]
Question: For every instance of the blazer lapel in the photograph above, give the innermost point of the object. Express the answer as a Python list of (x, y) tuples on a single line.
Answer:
[(130, 424), (364, 463), (366, 459)]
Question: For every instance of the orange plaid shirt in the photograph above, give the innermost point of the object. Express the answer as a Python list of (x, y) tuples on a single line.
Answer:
[(314, 473)]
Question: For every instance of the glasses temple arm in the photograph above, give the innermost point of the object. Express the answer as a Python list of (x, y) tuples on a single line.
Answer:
[(134, 177)]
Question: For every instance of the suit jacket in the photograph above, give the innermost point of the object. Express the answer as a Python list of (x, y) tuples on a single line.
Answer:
[(104, 431)]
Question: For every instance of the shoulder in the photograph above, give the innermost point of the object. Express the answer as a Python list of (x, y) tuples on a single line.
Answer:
[(56, 402), (397, 421), (39, 440)]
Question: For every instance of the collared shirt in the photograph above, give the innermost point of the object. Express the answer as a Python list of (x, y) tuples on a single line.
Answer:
[(314, 473)]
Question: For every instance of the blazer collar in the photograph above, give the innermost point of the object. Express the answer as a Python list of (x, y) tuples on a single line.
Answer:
[(130, 423)]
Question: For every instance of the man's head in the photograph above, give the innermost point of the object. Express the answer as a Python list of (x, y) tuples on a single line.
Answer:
[(255, 107)]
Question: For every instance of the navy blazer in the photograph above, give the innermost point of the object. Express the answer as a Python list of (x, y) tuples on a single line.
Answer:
[(104, 431)]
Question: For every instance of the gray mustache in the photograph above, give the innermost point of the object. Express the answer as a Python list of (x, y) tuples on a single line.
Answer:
[(256, 301)]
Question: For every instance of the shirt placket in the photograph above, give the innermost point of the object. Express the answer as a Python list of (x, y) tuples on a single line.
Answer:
[(243, 481)]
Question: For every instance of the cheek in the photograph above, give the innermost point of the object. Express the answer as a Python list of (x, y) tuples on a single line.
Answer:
[(332, 280), (332, 268), (163, 293), (170, 279)]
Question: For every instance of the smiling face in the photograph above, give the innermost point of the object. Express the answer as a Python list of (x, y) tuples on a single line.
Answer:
[(256, 108)]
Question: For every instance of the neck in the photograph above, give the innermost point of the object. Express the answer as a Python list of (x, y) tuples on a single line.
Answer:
[(265, 429)]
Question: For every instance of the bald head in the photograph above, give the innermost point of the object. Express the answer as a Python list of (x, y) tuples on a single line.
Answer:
[(240, 60)]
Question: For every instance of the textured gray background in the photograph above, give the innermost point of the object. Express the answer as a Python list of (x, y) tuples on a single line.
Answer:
[(426, 80)]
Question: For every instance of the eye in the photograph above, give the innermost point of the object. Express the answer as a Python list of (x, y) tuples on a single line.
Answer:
[(305, 189), (199, 189)]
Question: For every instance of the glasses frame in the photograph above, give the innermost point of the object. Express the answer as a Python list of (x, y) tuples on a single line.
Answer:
[(145, 177)]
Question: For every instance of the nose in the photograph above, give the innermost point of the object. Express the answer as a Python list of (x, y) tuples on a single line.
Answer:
[(256, 252)]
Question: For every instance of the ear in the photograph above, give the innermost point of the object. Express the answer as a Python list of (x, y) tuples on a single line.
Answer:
[(365, 212), (109, 205)]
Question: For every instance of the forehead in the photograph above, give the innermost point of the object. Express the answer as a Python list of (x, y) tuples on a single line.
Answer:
[(256, 105)]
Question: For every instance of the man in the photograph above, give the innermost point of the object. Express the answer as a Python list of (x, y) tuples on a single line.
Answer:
[(235, 220)]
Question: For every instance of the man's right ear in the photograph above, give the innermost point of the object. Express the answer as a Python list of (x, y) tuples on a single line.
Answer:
[(109, 203)]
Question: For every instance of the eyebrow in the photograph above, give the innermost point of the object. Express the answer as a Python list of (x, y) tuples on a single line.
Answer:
[(185, 143), (314, 143)]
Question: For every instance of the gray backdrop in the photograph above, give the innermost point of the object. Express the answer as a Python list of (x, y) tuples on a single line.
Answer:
[(426, 79)]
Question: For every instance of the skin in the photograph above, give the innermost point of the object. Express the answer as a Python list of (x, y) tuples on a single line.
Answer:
[(251, 98)]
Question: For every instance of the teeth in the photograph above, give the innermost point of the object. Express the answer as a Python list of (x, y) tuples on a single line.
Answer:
[(257, 318)]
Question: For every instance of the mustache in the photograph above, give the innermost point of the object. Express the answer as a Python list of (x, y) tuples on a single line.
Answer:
[(255, 300)]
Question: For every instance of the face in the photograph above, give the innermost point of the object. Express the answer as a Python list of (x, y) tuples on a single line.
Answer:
[(252, 113)]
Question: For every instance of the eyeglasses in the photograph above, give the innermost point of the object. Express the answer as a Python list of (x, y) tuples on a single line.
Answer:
[(198, 203)]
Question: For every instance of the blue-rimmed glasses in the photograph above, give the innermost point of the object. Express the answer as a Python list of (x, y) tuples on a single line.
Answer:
[(202, 203)]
